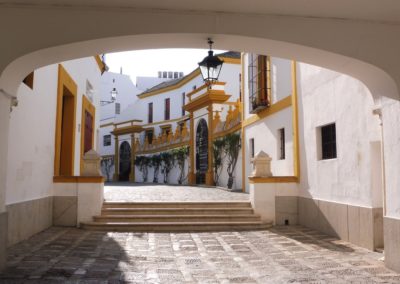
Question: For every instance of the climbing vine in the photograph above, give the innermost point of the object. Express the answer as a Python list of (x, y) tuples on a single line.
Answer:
[(143, 162), (180, 155), (155, 163), (167, 163)]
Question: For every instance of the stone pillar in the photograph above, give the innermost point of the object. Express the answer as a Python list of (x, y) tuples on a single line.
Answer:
[(192, 176), (210, 170), (5, 103), (116, 159), (133, 156)]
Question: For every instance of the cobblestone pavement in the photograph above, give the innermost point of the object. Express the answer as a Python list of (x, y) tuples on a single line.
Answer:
[(146, 192), (279, 255)]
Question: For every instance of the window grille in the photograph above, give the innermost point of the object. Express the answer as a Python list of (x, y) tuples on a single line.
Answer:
[(167, 109), (328, 141), (117, 108), (150, 113), (258, 82), (106, 140)]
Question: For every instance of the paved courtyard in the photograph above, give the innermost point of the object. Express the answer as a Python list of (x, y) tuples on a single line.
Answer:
[(148, 192), (279, 255)]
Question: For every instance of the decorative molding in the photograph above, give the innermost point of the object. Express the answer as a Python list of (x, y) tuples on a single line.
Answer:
[(295, 113), (177, 85), (102, 66), (208, 98), (273, 179), (163, 148), (230, 60), (90, 108), (127, 130), (78, 179), (64, 81), (107, 124), (278, 106), (228, 131)]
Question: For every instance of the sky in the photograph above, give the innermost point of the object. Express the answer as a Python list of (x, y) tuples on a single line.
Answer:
[(149, 62)]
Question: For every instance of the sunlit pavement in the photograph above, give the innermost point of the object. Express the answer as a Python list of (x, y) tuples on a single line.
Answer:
[(149, 192), (279, 255)]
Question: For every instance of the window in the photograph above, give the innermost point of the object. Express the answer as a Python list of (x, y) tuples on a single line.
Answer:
[(281, 134), (240, 87), (167, 109), (258, 83), (106, 140), (149, 135), (29, 80), (252, 150), (117, 108), (328, 142), (183, 103), (150, 113), (194, 87)]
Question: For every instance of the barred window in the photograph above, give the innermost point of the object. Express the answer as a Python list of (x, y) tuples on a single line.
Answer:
[(167, 109), (183, 103), (282, 153), (258, 83), (106, 140), (117, 108), (328, 141), (252, 150), (150, 113)]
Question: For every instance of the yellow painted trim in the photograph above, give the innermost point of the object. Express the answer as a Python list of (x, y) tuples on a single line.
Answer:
[(102, 66), (107, 156), (165, 126), (128, 121), (243, 134), (89, 107), (280, 105), (107, 124), (166, 121), (162, 149), (210, 97), (78, 179), (275, 179), (204, 86), (295, 113), (179, 84), (191, 177), (230, 60), (225, 132), (127, 130), (64, 81)]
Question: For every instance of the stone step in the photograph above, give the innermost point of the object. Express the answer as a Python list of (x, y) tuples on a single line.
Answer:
[(176, 218), (175, 226), (183, 204), (176, 211)]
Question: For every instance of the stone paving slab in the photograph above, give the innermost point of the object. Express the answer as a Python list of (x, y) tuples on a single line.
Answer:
[(290, 254), (147, 192)]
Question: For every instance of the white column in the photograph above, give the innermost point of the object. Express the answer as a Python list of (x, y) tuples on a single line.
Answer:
[(5, 102)]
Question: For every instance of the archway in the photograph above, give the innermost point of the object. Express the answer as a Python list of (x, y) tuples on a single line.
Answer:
[(201, 151), (124, 161)]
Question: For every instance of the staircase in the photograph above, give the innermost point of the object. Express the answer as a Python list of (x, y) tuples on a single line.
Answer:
[(176, 217)]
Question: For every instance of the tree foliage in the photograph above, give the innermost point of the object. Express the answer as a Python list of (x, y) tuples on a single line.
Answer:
[(219, 155), (232, 147)]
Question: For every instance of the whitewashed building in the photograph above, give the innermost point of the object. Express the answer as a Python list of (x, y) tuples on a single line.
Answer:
[(51, 128)]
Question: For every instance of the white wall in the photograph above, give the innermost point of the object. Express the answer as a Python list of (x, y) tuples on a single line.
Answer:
[(391, 138), (326, 97), (32, 130)]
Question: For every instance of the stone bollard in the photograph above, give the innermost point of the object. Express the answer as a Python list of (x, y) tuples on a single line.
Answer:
[(91, 164), (262, 165)]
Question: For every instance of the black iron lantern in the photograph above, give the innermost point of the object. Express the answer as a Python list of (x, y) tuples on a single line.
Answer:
[(210, 66)]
